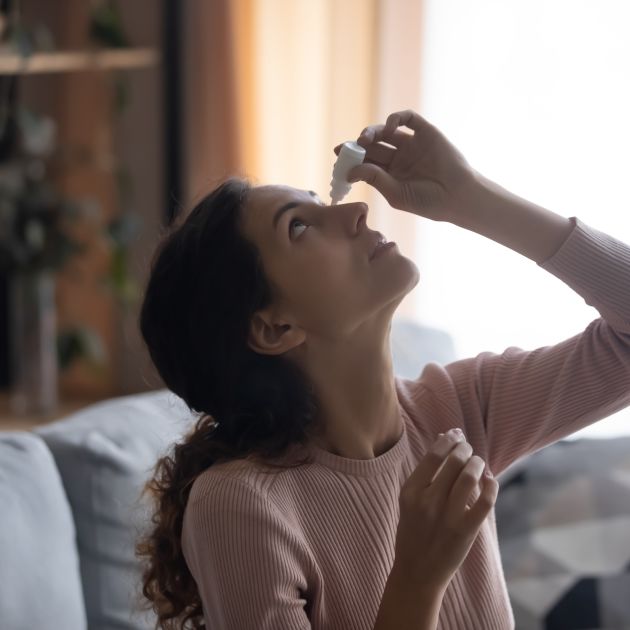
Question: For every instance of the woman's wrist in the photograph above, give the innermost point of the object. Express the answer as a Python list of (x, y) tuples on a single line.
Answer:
[(490, 210), (408, 605), (421, 587)]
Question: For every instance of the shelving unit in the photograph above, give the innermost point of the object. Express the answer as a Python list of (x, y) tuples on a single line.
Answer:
[(72, 61), (71, 84)]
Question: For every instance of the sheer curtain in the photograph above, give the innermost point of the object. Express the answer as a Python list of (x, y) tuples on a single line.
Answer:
[(271, 86), (536, 95)]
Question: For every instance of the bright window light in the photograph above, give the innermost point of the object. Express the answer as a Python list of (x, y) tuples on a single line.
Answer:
[(536, 95)]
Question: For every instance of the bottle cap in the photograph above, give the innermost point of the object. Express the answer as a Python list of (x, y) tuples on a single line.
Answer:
[(353, 147)]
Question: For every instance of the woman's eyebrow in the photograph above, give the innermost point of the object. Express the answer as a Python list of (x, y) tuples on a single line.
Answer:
[(288, 206)]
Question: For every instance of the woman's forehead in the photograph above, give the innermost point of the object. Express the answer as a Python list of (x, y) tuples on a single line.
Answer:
[(279, 191), (266, 199)]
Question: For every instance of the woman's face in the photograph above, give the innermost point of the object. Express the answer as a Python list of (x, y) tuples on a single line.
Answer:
[(316, 257)]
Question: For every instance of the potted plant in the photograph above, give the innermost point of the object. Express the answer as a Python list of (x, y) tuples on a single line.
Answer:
[(37, 239)]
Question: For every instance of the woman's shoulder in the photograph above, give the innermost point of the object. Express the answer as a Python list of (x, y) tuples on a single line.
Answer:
[(239, 475)]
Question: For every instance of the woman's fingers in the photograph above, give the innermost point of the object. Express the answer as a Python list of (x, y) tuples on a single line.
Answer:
[(372, 139), (381, 133), (379, 153), (376, 153), (476, 515), (378, 178), (373, 136), (407, 118)]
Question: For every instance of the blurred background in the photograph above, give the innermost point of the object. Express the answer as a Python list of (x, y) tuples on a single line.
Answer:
[(116, 116)]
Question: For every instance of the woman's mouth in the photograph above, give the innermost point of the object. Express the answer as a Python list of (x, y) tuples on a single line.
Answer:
[(383, 247)]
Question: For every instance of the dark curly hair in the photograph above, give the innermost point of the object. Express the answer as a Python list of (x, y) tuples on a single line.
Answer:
[(205, 284)]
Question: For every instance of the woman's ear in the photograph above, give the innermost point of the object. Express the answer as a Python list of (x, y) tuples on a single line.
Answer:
[(267, 337)]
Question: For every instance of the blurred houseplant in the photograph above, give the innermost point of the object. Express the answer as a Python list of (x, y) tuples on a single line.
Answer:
[(37, 235), (36, 241)]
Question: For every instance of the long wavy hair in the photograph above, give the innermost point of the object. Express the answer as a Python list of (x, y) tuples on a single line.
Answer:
[(206, 282)]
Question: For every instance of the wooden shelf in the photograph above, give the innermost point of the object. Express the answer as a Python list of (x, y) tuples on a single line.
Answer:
[(72, 61), (11, 422)]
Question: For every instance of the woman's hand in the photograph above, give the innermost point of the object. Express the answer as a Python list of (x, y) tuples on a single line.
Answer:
[(422, 173), (443, 504)]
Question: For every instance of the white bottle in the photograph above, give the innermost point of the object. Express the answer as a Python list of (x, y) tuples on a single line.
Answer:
[(350, 155)]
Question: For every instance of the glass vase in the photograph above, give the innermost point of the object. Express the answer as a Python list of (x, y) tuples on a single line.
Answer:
[(33, 343)]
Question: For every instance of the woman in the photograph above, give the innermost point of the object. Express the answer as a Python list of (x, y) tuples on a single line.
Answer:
[(318, 490)]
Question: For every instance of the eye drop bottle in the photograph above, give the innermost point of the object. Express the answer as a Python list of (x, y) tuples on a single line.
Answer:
[(350, 155)]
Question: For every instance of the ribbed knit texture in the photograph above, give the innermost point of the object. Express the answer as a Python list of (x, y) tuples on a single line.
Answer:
[(313, 547)]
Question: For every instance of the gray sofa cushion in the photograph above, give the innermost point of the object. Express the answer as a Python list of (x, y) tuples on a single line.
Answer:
[(414, 345), (105, 453), (40, 584)]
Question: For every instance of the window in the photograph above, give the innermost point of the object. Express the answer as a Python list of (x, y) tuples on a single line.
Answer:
[(536, 95)]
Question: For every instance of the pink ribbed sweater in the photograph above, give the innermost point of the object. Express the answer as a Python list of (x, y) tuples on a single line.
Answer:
[(313, 547)]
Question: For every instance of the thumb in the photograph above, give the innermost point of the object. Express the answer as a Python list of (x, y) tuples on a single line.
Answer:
[(378, 178)]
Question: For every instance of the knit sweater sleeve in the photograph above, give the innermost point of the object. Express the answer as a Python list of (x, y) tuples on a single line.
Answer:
[(519, 401), (245, 559)]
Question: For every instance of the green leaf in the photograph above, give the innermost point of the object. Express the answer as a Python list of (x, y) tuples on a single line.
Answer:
[(80, 342)]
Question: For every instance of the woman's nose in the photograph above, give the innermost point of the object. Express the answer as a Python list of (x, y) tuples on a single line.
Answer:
[(356, 211), (362, 222), (361, 209)]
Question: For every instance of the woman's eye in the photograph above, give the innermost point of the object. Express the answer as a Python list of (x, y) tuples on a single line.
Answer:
[(293, 221)]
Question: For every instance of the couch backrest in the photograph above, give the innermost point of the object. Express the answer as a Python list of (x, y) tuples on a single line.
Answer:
[(105, 453), (40, 583), (414, 345)]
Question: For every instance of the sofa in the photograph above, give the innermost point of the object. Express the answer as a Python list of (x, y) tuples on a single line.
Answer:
[(71, 512)]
